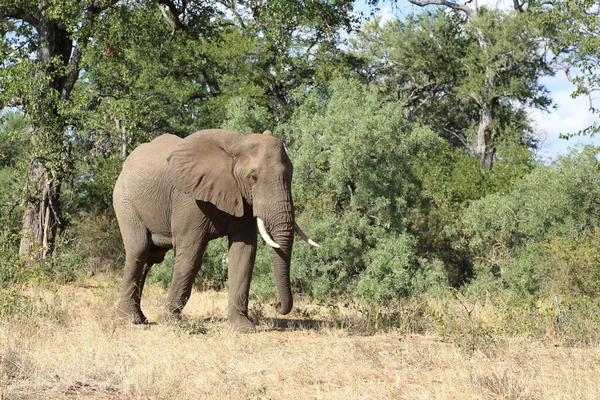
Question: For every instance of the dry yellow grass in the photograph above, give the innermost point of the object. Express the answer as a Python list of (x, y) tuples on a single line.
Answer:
[(68, 346)]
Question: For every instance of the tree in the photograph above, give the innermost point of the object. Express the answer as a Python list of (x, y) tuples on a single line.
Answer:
[(285, 45), (419, 62), (574, 28), (57, 35), (500, 65)]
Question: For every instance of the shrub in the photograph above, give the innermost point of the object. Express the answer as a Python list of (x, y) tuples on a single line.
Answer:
[(573, 265), (162, 274), (94, 238), (355, 179), (544, 226)]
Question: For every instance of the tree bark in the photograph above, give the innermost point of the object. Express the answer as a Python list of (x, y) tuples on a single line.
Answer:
[(485, 148), (41, 218)]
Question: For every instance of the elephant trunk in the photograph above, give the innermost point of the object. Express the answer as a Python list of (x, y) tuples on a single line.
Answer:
[(281, 267), (279, 220)]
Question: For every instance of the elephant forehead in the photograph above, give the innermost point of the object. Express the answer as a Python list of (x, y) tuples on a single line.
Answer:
[(266, 140), (267, 146)]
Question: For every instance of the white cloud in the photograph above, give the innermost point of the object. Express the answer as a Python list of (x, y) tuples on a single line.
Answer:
[(386, 15), (570, 116)]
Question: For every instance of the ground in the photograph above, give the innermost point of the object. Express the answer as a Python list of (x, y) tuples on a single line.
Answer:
[(65, 343)]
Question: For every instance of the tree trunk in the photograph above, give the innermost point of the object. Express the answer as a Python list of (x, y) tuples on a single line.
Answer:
[(485, 148), (123, 132), (41, 218)]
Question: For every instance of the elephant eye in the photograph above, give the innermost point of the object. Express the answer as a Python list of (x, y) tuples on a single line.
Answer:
[(252, 176)]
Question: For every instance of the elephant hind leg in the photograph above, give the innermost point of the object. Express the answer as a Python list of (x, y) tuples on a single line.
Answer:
[(137, 245), (188, 259), (156, 255)]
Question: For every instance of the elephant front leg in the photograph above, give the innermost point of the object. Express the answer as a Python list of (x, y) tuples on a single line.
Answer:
[(242, 254), (188, 259)]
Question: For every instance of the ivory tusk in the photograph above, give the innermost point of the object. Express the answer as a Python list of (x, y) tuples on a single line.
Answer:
[(303, 236), (264, 234)]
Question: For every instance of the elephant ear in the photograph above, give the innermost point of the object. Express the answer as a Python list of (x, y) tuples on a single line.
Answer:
[(201, 167)]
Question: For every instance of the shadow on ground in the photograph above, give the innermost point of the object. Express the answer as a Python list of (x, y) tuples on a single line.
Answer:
[(295, 324)]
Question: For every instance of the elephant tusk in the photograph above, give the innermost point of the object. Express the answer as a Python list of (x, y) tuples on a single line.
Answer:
[(303, 236), (264, 234)]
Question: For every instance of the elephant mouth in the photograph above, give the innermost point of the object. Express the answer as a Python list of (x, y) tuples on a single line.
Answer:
[(267, 238)]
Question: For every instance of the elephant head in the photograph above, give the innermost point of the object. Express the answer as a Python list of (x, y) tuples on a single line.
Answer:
[(233, 172)]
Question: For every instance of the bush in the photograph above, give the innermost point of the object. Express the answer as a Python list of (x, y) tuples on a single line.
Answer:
[(355, 180), (263, 286), (573, 265), (162, 274), (94, 238), (96, 181), (541, 233)]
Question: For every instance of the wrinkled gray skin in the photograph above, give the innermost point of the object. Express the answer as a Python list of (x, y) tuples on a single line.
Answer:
[(181, 193)]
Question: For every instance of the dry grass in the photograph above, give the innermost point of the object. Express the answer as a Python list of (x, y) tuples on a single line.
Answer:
[(66, 344)]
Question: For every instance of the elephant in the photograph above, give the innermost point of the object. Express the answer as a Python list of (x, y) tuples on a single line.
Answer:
[(180, 193)]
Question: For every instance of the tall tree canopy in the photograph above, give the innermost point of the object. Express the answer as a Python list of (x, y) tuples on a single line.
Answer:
[(477, 55)]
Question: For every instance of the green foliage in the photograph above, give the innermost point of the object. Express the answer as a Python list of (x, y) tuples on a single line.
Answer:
[(445, 68), (162, 274), (245, 117), (573, 264), (552, 200), (93, 187), (263, 282), (449, 181), (573, 29), (213, 274), (519, 233), (354, 182), (10, 202), (96, 239), (394, 271), (13, 148), (13, 139)]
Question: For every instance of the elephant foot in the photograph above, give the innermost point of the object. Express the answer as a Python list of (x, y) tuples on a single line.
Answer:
[(131, 313), (240, 322)]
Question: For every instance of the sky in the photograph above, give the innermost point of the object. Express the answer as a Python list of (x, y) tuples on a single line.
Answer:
[(568, 115)]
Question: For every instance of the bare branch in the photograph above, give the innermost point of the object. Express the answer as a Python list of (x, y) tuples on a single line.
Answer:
[(233, 9), (169, 20), (471, 12), (518, 6), (456, 135), (515, 66), (175, 13), (586, 91), (74, 67)]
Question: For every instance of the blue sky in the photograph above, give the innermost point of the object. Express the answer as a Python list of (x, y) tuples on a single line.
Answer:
[(570, 115)]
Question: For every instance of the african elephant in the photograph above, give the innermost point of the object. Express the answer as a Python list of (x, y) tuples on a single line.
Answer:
[(180, 193)]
